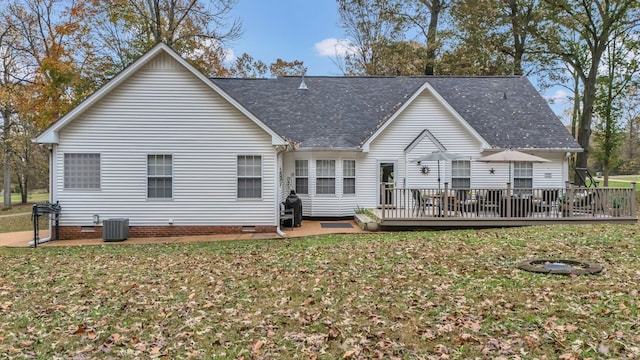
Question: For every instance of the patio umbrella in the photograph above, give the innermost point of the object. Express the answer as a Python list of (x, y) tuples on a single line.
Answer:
[(437, 156), (510, 156)]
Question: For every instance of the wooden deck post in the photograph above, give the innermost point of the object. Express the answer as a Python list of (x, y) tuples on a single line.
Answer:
[(569, 200), (633, 199), (444, 200), (509, 213)]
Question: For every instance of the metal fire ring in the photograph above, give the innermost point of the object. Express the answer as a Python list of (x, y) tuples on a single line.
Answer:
[(560, 267)]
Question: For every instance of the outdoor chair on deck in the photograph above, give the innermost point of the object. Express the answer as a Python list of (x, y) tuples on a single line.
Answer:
[(419, 203), (489, 201), (466, 202), (286, 215), (544, 200)]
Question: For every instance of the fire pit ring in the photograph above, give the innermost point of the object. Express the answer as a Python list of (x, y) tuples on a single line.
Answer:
[(560, 267)]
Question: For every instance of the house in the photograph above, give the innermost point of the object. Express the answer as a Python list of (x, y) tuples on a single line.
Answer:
[(178, 153)]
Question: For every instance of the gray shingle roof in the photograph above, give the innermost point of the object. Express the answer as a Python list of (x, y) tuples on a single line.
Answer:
[(342, 112)]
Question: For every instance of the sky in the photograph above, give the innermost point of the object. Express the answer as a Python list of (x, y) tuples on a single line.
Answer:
[(309, 31), (305, 30)]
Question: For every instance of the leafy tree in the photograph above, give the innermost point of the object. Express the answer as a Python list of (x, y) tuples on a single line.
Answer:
[(494, 37), (46, 55), (246, 66), (630, 159), (371, 27), (197, 30), (613, 88), (287, 68), (425, 16), (10, 79), (571, 26)]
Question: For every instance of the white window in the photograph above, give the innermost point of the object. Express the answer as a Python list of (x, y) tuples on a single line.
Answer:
[(325, 176), (348, 176), (522, 175), (249, 176), (461, 174), (81, 171), (159, 176), (302, 176)]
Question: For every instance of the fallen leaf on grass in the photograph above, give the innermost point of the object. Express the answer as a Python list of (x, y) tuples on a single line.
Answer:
[(349, 354), (334, 333), (571, 328), (258, 345), (78, 330), (26, 343)]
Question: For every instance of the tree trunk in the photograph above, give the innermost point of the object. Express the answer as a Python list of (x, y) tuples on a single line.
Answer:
[(7, 181), (24, 194), (6, 116), (432, 38), (584, 129), (518, 43)]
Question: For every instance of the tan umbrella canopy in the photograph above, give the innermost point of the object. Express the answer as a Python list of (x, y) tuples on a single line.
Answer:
[(437, 156), (510, 156)]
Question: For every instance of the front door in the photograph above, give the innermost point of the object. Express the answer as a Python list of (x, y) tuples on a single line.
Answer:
[(386, 173)]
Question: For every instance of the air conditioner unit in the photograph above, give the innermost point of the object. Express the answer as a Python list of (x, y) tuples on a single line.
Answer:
[(115, 229)]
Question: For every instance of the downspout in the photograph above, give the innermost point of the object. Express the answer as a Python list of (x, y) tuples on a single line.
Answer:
[(566, 167), (279, 151)]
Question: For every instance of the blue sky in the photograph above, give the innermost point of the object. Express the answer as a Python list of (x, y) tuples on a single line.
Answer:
[(303, 30), (308, 30)]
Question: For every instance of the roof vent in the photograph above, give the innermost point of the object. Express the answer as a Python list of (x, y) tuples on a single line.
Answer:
[(303, 85), (504, 96)]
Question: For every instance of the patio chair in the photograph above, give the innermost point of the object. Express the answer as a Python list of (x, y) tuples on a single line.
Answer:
[(489, 200), (419, 203), (286, 215), (466, 202), (544, 200)]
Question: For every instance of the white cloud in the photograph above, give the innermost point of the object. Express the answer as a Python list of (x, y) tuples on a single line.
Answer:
[(229, 55), (333, 47), (559, 96)]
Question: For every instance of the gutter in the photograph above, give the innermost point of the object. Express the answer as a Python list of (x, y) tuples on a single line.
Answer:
[(279, 151)]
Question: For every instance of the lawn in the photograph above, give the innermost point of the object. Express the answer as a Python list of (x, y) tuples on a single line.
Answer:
[(407, 295)]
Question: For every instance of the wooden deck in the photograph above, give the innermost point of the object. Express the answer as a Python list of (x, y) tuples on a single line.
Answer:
[(466, 208)]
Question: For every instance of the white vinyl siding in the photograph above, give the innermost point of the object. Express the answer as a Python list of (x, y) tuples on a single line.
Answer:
[(164, 109), (82, 171), (425, 112), (249, 177), (348, 176), (302, 176), (159, 176)]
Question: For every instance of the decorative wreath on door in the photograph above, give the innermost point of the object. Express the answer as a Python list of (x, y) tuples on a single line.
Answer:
[(424, 170)]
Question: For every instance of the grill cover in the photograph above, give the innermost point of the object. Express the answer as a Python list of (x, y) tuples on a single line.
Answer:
[(294, 202)]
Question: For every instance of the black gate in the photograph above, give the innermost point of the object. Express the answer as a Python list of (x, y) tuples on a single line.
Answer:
[(41, 209)]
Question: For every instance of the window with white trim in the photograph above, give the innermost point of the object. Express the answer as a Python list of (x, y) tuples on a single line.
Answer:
[(159, 176), (82, 171), (522, 175), (461, 174), (325, 176), (302, 176), (348, 176), (249, 176)]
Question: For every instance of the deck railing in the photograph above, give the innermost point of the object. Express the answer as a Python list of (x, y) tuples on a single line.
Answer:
[(566, 202)]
